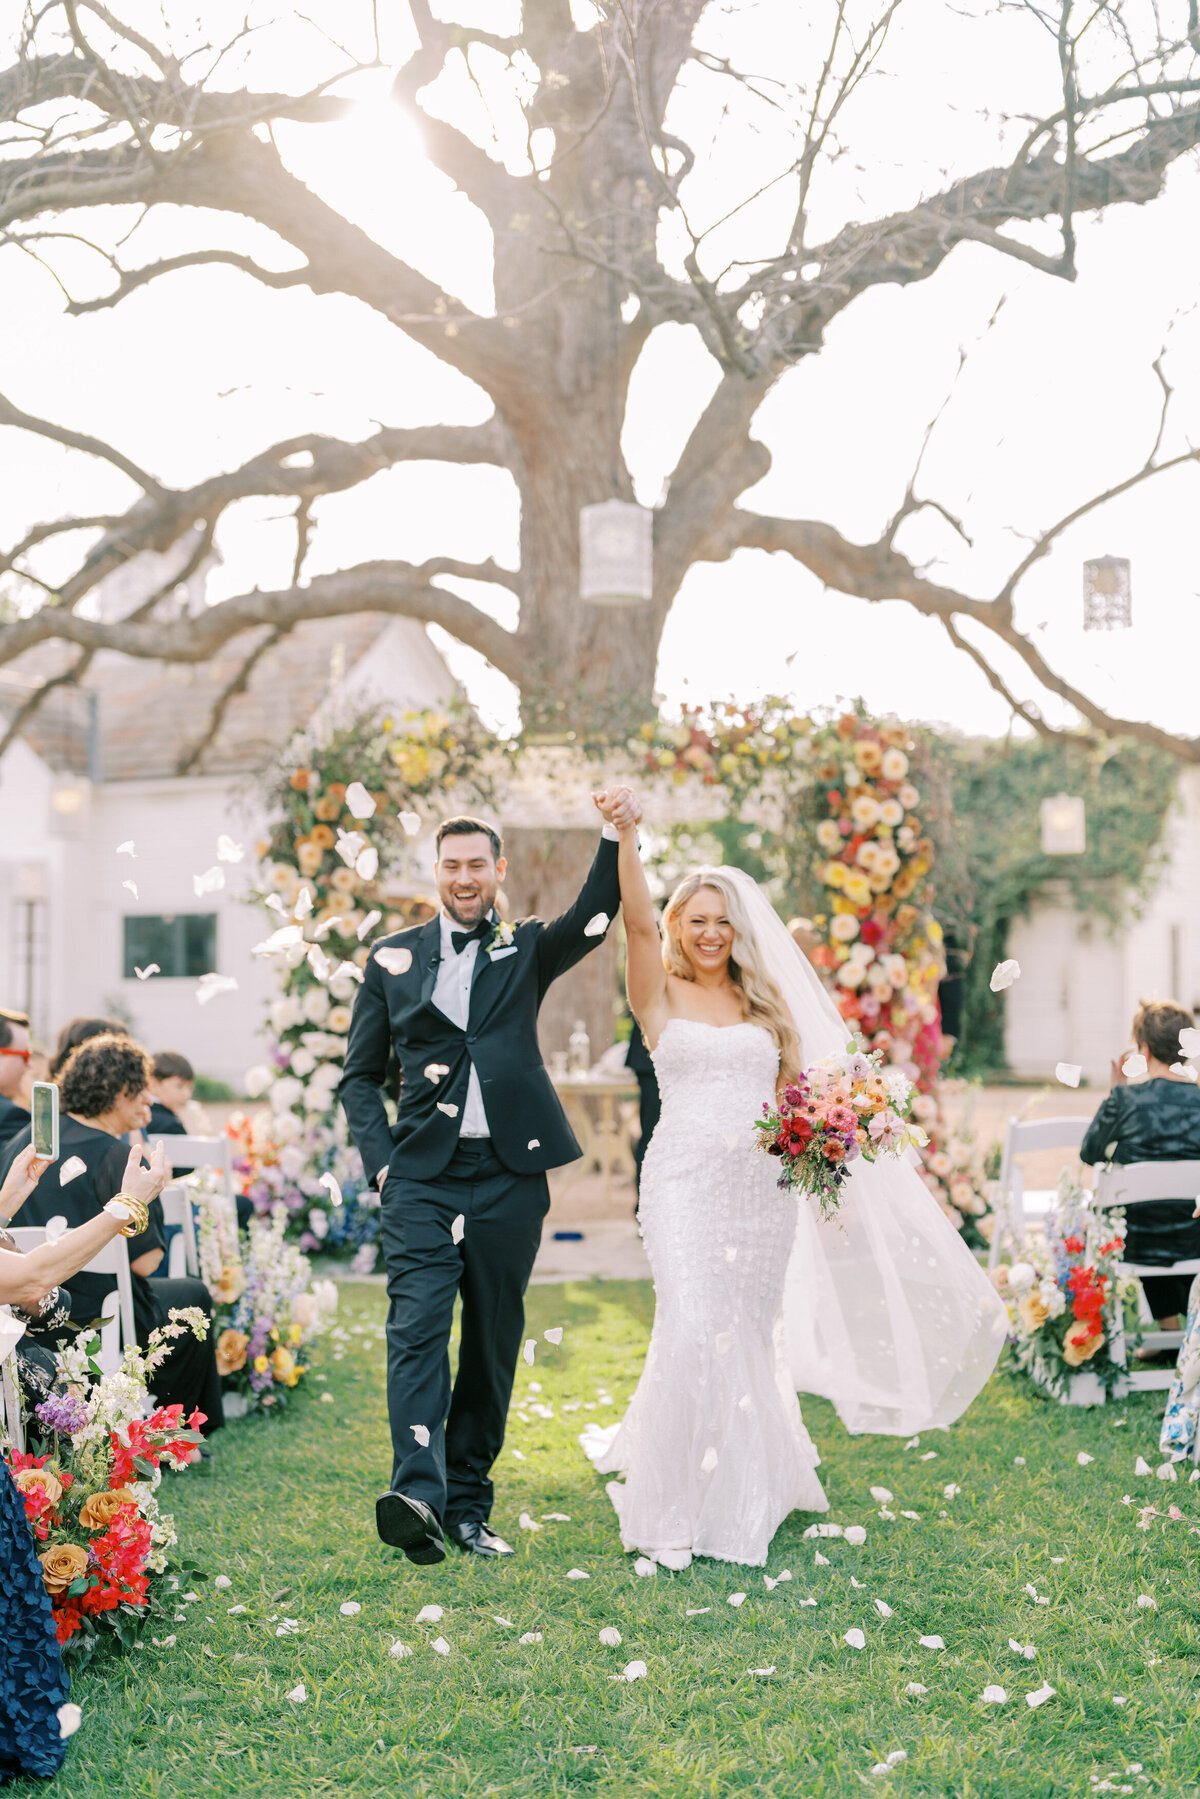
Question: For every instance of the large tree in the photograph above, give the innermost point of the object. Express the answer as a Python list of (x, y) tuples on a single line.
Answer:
[(594, 246)]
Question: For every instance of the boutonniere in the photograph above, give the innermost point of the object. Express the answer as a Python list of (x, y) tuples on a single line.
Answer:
[(503, 937)]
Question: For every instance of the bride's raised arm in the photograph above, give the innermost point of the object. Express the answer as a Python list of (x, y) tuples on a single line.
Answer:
[(645, 976)]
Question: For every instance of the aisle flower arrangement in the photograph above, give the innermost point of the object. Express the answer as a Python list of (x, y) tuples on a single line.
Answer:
[(842, 1108), (1065, 1299), (269, 1308), (881, 947), (90, 1487), (344, 804)]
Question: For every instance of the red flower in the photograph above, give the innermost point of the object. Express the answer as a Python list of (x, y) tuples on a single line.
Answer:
[(1074, 1245), (835, 1150), (872, 932)]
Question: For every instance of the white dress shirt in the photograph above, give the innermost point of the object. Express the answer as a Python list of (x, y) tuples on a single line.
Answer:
[(452, 997)]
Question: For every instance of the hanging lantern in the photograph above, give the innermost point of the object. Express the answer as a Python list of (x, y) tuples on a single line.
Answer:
[(1107, 597), (616, 553), (1064, 826)]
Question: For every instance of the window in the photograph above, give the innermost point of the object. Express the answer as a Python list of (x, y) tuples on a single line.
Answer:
[(182, 943)]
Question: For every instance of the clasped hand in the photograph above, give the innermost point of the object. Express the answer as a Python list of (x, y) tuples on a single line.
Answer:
[(619, 807)]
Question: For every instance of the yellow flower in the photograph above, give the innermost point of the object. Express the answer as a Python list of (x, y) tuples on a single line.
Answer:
[(297, 1371), (261, 1364), (283, 1363), (1032, 1311), (1081, 1343), (61, 1566), (295, 1334), (99, 1509)]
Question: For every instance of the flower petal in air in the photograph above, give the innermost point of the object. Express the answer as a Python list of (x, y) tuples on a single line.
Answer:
[(1004, 974)]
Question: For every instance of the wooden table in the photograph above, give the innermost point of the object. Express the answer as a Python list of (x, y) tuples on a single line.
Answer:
[(603, 1128)]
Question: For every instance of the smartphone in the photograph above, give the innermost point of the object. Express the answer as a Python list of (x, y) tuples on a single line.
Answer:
[(44, 1111)]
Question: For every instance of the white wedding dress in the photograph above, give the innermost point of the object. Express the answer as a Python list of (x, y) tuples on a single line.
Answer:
[(713, 1447)]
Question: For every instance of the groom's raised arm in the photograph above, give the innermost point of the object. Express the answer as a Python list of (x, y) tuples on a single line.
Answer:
[(361, 1089), (564, 942)]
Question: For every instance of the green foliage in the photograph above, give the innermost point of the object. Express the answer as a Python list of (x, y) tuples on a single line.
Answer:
[(990, 862), (206, 1088), (287, 1515)]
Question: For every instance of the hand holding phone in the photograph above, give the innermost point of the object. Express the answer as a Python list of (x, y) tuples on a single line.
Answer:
[(44, 1112)]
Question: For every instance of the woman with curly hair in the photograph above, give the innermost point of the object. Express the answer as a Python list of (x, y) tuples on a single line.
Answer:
[(102, 1087)]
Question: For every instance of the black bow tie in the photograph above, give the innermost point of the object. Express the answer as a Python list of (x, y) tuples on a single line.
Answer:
[(460, 939)]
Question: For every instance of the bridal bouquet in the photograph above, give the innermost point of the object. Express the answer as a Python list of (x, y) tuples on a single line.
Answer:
[(841, 1108)]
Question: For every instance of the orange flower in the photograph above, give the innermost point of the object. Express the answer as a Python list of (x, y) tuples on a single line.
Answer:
[(847, 725), (61, 1566), (1081, 1343), (327, 808), (336, 790), (309, 857), (231, 1351), (99, 1509), (322, 835), (38, 1480), (301, 780)]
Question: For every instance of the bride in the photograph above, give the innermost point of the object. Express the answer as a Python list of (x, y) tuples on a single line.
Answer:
[(884, 1310)]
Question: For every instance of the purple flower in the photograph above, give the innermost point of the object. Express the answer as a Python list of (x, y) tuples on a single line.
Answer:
[(63, 1413)]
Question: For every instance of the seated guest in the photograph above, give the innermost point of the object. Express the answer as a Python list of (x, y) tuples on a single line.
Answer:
[(14, 1061), (103, 1094), (172, 1078), (77, 1031), (1155, 1120)]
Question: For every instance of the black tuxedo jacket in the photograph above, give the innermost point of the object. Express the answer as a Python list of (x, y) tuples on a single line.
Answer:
[(529, 1129)]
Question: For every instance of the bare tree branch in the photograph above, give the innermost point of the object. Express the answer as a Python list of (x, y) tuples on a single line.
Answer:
[(80, 440), (191, 759)]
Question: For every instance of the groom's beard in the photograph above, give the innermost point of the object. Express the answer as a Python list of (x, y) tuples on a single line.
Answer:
[(469, 916)]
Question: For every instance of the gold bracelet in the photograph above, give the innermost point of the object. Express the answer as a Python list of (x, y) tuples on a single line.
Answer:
[(139, 1216)]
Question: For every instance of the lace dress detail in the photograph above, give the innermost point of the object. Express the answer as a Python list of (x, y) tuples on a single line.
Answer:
[(32, 1685), (713, 1447)]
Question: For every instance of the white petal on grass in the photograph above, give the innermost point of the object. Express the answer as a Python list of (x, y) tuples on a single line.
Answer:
[(736, 1599), (709, 1460), (530, 1350), (914, 1689), (394, 961), (1033, 1700), (633, 1671), (855, 1638), (994, 1696), (762, 1673), (298, 1694), (915, 1516), (211, 881), (399, 1650), (1084, 1459), (421, 1433), (557, 1517), (440, 1646), (518, 1455), (235, 1611), (855, 1535), (1142, 1466), (1166, 1471), (430, 1614), (507, 1622), (1119, 1699), (530, 1636), (368, 925), (577, 1574), (70, 1717), (1147, 1603), (222, 1580), (1068, 1073), (931, 1642), (458, 1229), (883, 1608), (929, 1456), (1025, 1649), (554, 1334), (71, 1169), (820, 1561), (697, 1611), (358, 801), (610, 1637), (952, 1491), (644, 1568), (525, 1522), (410, 823), (882, 1496), (143, 974), (210, 985), (1133, 1067), (1004, 974), (350, 1608)]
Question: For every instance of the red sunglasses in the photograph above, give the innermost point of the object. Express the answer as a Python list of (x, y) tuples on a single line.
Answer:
[(23, 1053)]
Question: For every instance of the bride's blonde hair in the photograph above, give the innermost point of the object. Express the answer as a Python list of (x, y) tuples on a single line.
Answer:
[(761, 999)]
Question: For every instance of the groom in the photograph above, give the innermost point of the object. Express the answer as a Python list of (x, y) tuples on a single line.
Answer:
[(463, 1170)]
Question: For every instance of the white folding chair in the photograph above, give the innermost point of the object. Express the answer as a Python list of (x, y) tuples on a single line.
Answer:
[(1134, 1184), (182, 1256), (11, 1429), (1013, 1201), (200, 1152), (116, 1314)]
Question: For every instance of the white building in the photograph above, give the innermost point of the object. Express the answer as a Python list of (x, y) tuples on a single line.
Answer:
[(98, 766), (1081, 981)]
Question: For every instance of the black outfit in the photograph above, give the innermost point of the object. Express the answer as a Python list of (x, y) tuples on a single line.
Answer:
[(13, 1118), (165, 1123), (640, 1063), (497, 1183), (189, 1375), (1154, 1121)]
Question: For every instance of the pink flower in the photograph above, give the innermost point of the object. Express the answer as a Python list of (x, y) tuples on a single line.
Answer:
[(886, 1130), (841, 1118)]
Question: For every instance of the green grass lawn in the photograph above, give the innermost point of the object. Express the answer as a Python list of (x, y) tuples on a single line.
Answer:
[(285, 1511)]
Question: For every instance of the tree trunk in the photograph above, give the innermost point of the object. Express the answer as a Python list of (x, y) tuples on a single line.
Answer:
[(546, 870)]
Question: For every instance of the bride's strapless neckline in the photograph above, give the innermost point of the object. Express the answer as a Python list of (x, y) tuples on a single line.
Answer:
[(743, 1024)]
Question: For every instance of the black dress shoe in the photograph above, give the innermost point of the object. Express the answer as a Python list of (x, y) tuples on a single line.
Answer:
[(408, 1524), (475, 1537)]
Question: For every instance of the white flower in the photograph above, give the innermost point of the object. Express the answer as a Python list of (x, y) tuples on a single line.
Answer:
[(1021, 1276), (315, 1005), (338, 1020), (891, 813), (865, 811), (828, 836), (895, 765)]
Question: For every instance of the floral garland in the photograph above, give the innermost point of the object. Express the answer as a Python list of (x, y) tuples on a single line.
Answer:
[(734, 747), (90, 1487), (269, 1309), (1065, 1299), (344, 804)]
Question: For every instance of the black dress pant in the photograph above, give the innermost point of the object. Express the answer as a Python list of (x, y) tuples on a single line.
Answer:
[(502, 1217)]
